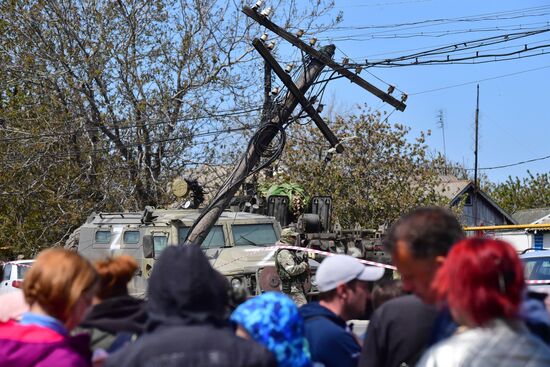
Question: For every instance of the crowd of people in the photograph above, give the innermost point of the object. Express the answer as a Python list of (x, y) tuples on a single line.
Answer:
[(459, 302)]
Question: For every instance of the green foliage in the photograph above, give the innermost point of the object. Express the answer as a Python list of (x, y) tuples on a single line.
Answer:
[(379, 176), (297, 196), (528, 193), (101, 101)]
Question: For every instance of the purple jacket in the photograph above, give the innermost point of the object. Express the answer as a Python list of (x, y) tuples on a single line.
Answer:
[(37, 346)]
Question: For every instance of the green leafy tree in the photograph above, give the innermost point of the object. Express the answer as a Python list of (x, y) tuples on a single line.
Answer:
[(102, 103), (529, 192), (379, 176)]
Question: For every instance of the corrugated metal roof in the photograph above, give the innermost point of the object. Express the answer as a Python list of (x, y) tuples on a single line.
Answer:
[(528, 216)]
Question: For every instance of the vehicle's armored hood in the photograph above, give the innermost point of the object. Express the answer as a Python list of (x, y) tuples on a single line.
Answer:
[(185, 289), (243, 259)]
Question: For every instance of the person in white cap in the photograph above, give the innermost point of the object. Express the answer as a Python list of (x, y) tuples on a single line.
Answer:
[(343, 285)]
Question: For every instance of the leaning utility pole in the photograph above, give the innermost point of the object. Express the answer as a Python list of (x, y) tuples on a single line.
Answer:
[(275, 124), (267, 133)]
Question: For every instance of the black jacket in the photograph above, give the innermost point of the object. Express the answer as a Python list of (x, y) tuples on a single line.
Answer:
[(115, 319), (187, 301), (398, 333)]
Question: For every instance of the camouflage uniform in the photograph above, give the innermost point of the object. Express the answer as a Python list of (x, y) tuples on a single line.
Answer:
[(292, 268)]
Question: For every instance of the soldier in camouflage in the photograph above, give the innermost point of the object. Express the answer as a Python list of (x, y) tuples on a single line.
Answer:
[(292, 267)]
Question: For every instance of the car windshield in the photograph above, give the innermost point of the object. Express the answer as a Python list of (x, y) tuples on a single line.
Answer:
[(261, 234), (214, 238), (537, 268)]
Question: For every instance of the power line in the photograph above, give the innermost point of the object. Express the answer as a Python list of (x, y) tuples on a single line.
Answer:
[(502, 165), (479, 80), (496, 16), (68, 155), (126, 127), (437, 47), (456, 47), (511, 164), (435, 33), (402, 2), (461, 60)]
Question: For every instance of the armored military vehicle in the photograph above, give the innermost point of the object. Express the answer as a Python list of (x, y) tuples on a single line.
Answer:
[(234, 245)]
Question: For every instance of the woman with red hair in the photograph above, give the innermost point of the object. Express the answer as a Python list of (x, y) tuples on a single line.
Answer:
[(482, 283), (59, 288), (116, 317)]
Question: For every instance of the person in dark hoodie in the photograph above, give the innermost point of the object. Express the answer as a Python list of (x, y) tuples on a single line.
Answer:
[(187, 324), (116, 317), (342, 283)]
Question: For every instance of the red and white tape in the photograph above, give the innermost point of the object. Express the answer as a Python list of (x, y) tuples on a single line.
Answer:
[(18, 264), (537, 281), (319, 252), (324, 253)]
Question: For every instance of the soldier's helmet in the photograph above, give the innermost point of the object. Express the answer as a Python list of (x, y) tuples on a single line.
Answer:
[(288, 235)]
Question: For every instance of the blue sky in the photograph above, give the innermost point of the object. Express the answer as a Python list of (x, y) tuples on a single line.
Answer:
[(514, 120)]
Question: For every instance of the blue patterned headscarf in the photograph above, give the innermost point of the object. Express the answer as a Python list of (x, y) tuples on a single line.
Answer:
[(272, 319)]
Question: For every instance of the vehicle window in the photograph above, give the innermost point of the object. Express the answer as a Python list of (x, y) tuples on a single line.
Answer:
[(22, 270), (159, 244), (537, 268), (131, 237), (103, 237), (7, 272), (214, 238), (254, 234), (528, 268), (182, 234)]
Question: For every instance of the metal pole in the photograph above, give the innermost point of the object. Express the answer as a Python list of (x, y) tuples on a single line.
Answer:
[(252, 156), (476, 186), (508, 226), (267, 92), (266, 109)]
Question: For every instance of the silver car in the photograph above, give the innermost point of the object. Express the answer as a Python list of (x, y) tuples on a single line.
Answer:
[(537, 270)]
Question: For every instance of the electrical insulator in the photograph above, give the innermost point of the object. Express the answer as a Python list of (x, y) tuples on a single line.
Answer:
[(257, 5), (275, 91), (289, 68), (271, 45), (404, 97), (313, 41), (391, 88), (345, 61), (266, 12), (264, 37), (300, 33), (320, 108), (358, 70)]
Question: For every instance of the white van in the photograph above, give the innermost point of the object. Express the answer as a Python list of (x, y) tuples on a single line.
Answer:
[(13, 273)]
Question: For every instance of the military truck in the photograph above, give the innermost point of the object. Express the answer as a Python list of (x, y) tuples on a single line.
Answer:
[(233, 246), (316, 229)]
